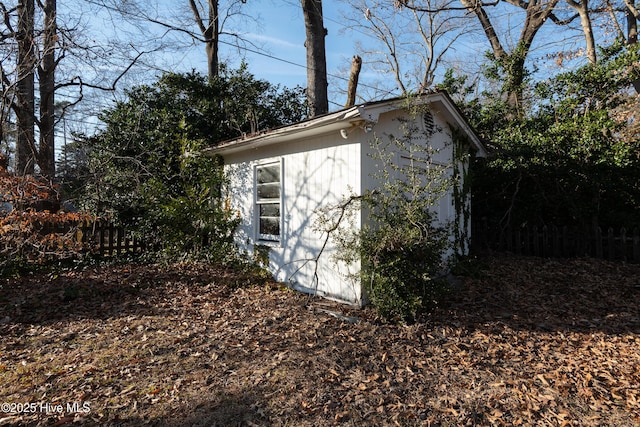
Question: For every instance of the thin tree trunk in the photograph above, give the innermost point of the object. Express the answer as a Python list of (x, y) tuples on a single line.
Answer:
[(487, 26), (317, 85), (632, 16), (632, 25), (537, 13), (356, 65), (582, 6), (25, 106), (212, 39), (46, 72)]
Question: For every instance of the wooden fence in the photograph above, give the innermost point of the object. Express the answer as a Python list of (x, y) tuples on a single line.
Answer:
[(110, 240), (101, 237), (559, 242)]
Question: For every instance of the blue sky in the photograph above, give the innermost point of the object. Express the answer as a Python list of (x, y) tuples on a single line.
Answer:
[(281, 55), (280, 36), (277, 53)]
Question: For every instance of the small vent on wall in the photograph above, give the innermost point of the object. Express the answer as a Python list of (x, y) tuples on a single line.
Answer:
[(428, 123)]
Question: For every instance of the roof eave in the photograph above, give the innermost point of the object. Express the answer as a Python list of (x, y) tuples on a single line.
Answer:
[(331, 122), (314, 126)]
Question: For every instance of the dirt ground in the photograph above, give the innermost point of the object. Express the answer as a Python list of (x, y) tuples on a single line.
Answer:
[(525, 341)]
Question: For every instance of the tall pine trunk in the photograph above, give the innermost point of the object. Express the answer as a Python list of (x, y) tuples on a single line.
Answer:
[(46, 74), (317, 85), (211, 37)]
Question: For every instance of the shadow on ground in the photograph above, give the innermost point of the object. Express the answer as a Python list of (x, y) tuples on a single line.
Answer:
[(241, 409), (546, 295), (111, 291), (520, 292)]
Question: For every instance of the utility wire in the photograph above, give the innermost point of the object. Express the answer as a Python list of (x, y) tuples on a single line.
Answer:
[(286, 61)]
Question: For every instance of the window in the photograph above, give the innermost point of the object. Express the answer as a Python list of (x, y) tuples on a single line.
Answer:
[(268, 196)]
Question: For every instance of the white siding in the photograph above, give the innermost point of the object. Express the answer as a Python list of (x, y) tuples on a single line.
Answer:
[(439, 142), (317, 173)]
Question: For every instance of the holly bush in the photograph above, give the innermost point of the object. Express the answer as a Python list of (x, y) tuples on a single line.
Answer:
[(146, 170)]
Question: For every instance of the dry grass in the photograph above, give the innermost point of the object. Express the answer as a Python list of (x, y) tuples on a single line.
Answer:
[(529, 342)]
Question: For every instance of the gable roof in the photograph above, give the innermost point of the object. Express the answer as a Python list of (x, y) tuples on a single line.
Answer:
[(367, 113)]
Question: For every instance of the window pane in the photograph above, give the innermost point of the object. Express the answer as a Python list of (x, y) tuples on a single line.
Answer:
[(270, 209), (269, 225), (267, 174), (268, 191)]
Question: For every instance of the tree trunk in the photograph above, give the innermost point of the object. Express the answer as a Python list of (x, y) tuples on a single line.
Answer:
[(46, 73), (582, 6), (632, 23), (537, 14), (316, 57), (210, 32), (487, 27), (513, 63), (25, 105), (211, 36), (356, 64)]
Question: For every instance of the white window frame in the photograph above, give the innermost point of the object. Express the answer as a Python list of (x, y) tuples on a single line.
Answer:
[(260, 202)]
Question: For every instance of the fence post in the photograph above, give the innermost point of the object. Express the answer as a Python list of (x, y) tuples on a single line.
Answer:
[(545, 241), (555, 241), (598, 242), (636, 244), (536, 241), (623, 244), (611, 249), (112, 238), (101, 233), (119, 247)]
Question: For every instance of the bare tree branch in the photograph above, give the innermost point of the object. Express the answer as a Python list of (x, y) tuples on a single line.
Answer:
[(409, 4), (77, 81), (196, 13)]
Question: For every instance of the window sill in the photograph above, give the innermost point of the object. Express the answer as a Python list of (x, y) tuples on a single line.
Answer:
[(269, 243)]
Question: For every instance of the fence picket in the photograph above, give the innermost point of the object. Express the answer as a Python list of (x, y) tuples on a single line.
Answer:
[(107, 239), (554, 241), (611, 251)]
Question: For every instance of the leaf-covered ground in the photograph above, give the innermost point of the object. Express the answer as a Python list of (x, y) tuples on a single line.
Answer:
[(528, 342)]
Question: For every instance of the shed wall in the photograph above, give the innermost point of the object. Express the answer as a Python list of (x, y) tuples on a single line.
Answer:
[(319, 172), (316, 173), (440, 146)]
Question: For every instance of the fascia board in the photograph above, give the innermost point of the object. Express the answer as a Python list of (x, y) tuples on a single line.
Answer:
[(342, 119), (308, 128), (453, 110)]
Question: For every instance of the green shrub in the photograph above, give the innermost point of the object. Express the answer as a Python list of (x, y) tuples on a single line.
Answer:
[(401, 263), (402, 251)]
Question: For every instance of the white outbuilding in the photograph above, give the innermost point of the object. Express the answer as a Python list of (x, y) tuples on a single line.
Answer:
[(281, 179)]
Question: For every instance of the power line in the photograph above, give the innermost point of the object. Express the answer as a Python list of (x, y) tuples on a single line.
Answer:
[(286, 61)]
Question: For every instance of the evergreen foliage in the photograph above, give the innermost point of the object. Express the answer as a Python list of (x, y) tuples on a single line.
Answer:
[(573, 159), (402, 248), (146, 170)]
